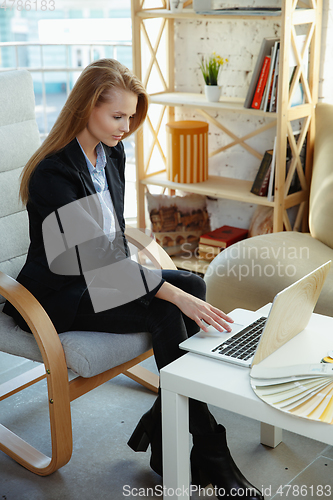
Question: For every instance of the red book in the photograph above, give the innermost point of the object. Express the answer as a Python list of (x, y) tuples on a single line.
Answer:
[(261, 83), (223, 236)]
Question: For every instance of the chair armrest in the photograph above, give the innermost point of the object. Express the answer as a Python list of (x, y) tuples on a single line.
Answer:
[(44, 332), (35, 316), (57, 383), (149, 247)]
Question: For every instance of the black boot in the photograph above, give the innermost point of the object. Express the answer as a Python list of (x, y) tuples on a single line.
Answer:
[(211, 463), (149, 430)]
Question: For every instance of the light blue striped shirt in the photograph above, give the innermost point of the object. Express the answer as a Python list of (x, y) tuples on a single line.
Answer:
[(101, 185)]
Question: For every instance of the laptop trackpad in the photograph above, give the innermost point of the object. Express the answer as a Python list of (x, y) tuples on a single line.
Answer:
[(212, 332)]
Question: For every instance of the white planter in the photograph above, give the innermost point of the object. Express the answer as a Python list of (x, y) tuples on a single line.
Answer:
[(176, 5), (213, 92)]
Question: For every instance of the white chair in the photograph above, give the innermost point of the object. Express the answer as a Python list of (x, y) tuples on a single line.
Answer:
[(251, 272)]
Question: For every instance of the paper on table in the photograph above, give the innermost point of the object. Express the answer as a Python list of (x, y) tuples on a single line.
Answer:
[(301, 390)]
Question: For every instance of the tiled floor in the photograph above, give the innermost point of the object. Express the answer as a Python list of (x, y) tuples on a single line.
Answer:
[(103, 467)]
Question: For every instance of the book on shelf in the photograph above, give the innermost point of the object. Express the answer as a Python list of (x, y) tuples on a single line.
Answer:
[(269, 85), (272, 102), (292, 176), (271, 182), (270, 47), (208, 252), (265, 50), (223, 237), (210, 248), (260, 183), (259, 92)]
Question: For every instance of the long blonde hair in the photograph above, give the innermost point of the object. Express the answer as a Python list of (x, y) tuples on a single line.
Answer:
[(91, 89)]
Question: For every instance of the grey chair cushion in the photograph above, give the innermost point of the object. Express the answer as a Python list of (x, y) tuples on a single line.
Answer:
[(19, 139), (87, 353)]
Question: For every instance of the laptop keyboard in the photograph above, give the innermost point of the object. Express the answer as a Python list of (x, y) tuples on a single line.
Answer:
[(243, 344)]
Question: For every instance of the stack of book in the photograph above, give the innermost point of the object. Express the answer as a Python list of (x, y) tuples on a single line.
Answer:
[(213, 242), (263, 87), (262, 92)]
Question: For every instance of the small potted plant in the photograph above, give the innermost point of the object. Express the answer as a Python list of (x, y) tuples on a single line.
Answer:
[(211, 67), (176, 5)]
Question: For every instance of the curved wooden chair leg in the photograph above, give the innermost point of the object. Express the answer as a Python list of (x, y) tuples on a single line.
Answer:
[(144, 377), (57, 386), (61, 435)]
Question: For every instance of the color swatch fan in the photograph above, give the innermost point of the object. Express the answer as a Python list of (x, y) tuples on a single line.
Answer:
[(302, 390)]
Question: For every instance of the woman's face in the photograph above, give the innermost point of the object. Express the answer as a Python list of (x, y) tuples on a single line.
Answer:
[(110, 120)]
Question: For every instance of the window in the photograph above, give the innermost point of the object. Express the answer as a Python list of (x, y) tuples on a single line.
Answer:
[(55, 45)]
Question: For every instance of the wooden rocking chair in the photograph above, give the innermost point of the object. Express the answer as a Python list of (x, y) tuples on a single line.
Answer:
[(94, 356)]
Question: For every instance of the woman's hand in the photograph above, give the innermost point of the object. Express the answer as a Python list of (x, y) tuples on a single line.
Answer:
[(198, 310)]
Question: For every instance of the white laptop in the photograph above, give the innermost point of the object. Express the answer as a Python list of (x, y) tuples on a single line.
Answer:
[(249, 344)]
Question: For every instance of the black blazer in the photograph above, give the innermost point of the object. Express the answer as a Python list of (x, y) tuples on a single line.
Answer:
[(58, 180)]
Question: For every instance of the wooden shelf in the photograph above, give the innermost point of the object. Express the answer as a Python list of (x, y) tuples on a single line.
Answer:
[(216, 187), (189, 13), (149, 35), (300, 15), (194, 100)]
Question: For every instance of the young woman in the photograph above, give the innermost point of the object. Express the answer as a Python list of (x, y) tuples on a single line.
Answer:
[(83, 157)]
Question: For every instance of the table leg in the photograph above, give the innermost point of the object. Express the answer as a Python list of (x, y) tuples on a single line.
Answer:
[(270, 435), (176, 452)]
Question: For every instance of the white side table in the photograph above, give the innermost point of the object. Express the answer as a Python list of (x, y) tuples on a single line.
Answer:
[(226, 386)]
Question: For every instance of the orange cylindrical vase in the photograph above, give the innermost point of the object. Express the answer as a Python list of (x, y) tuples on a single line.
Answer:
[(187, 159)]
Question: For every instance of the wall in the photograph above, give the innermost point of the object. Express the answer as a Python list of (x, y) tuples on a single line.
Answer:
[(239, 41)]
